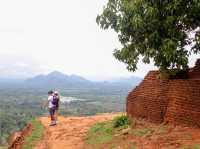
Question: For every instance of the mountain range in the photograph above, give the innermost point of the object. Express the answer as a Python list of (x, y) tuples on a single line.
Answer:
[(57, 79)]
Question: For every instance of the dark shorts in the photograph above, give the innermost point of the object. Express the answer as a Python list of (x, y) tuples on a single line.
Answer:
[(52, 111)]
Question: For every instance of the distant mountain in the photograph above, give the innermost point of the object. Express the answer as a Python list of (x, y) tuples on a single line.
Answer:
[(58, 79)]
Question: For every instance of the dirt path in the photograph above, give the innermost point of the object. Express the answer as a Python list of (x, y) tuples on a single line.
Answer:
[(70, 132)]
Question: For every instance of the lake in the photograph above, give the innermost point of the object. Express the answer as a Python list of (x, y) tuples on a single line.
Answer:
[(70, 99)]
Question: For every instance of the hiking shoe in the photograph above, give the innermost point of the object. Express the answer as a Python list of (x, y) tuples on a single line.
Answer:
[(53, 123)]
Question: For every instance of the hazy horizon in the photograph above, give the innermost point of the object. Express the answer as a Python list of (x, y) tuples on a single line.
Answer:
[(90, 79)]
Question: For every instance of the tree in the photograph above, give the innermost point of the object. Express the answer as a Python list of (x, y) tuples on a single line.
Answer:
[(166, 31)]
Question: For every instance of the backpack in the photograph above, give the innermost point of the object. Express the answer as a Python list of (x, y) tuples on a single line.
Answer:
[(55, 100)]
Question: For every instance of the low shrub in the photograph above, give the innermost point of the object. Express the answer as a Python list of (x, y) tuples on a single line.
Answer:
[(121, 121)]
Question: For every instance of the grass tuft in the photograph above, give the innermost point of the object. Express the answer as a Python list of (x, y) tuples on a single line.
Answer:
[(100, 133), (35, 136), (104, 132)]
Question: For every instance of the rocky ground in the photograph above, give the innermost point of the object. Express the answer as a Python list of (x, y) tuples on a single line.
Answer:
[(70, 131)]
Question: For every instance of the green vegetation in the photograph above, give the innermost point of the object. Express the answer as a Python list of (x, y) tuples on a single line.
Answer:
[(35, 136), (128, 135), (13, 118), (105, 131), (20, 105), (100, 133), (121, 121), (117, 132), (195, 146), (158, 30)]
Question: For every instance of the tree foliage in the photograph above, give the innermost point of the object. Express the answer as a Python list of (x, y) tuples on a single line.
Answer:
[(166, 31)]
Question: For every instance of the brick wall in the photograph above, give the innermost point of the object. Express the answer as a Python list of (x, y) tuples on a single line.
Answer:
[(184, 103), (175, 101)]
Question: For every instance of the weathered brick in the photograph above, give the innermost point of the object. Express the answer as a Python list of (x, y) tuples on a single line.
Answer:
[(175, 101)]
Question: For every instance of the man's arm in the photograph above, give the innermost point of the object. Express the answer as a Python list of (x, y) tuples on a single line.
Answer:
[(46, 103)]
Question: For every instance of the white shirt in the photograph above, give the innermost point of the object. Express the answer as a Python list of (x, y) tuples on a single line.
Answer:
[(50, 99)]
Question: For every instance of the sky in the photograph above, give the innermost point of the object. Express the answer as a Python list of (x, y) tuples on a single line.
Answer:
[(40, 36)]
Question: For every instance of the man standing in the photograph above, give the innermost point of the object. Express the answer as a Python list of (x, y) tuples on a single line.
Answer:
[(52, 108)]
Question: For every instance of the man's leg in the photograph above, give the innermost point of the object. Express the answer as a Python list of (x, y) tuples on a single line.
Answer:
[(56, 115), (52, 112)]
